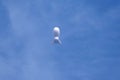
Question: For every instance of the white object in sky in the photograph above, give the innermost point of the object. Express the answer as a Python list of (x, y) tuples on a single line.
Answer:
[(56, 32)]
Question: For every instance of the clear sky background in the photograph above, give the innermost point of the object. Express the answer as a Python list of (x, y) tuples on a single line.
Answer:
[(90, 35)]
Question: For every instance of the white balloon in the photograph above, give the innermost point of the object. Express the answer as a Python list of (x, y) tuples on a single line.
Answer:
[(56, 31)]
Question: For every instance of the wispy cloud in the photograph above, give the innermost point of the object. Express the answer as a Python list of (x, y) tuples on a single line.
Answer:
[(28, 48)]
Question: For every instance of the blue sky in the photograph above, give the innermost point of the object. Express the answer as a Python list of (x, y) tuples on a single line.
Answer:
[(90, 35)]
